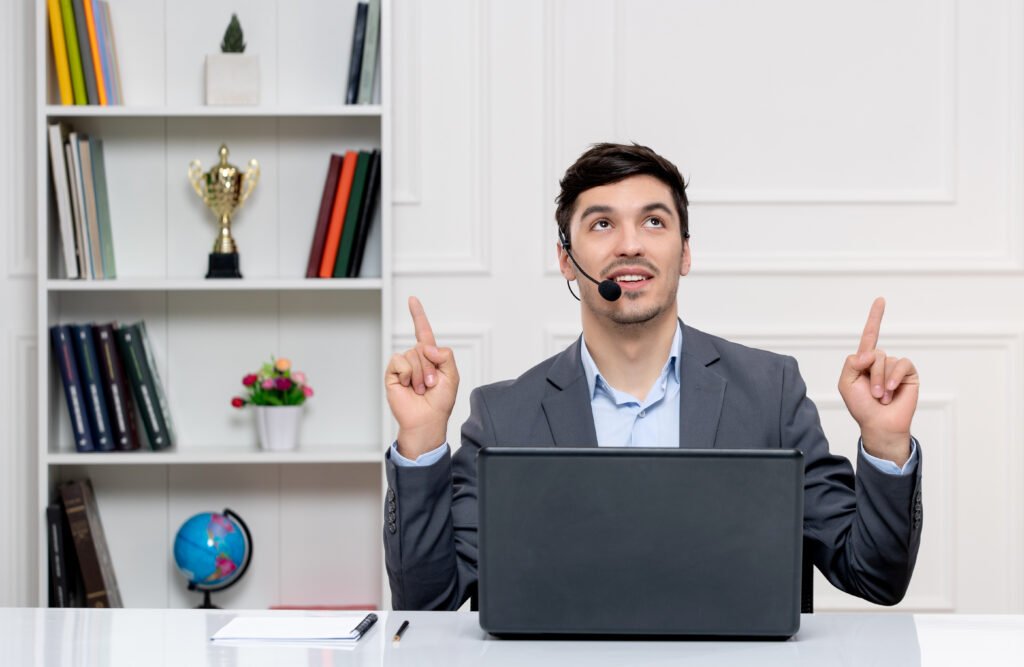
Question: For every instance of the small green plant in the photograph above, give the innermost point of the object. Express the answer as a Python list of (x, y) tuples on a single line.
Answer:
[(234, 40)]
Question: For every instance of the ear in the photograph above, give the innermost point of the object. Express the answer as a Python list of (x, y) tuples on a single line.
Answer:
[(684, 265), (564, 265)]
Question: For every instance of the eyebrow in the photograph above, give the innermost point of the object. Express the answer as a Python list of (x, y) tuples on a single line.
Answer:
[(602, 208)]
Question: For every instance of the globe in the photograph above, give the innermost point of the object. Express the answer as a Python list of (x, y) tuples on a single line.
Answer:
[(213, 551)]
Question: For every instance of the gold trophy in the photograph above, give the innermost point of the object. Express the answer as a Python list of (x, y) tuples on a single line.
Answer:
[(223, 189)]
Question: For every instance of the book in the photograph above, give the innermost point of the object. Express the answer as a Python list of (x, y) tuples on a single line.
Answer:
[(108, 26), (323, 218), (65, 578), (348, 234), (74, 397), (370, 53), (89, 198), (366, 215), (90, 544), (94, 51), (60, 52), (334, 229), (62, 195), (143, 385), (85, 52), (356, 59), (116, 390), (92, 387), (154, 368), (99, 180), (67, 15), (74, 162)]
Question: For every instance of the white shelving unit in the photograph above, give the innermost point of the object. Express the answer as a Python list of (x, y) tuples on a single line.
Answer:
[(316, 513)]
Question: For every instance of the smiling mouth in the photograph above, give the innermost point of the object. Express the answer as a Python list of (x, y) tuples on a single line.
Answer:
[(631, 279)]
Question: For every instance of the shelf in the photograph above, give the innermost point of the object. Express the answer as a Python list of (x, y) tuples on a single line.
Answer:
[(216, 456), (93, 111), (222, 285)]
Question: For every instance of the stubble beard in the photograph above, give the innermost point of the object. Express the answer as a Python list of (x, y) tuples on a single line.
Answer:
[(628, 318)]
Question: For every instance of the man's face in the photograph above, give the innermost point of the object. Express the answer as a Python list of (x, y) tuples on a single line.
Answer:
[(629, 232)]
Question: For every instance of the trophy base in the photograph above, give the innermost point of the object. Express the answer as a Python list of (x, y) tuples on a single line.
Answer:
[(223, 265)]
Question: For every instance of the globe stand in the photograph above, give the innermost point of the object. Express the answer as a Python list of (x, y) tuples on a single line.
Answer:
[(206, 602)]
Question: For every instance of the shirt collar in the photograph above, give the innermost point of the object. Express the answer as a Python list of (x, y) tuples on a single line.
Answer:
[(594, 374)]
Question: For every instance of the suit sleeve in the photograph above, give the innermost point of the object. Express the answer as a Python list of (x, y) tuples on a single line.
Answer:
[(862, 530), (430, 527)]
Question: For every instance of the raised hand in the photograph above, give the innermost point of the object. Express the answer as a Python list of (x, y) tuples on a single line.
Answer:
[(421, 386), (880, 392)]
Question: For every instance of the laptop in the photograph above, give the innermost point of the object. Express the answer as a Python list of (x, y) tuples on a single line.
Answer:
[(644, 542)]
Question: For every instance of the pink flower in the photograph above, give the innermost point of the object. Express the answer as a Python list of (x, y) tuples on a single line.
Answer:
[(237, 402), (268, 383), (307, 391), (284, 384), (299, 377), (249, 380)]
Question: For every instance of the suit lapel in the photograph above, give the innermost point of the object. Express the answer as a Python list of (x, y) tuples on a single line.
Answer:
[(701, 392), (568, 410)]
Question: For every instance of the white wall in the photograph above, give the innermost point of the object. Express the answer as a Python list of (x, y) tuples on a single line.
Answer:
[(836, 151)]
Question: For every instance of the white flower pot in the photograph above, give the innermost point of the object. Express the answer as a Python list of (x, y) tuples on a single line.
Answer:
[(278, 426), (232, 78)]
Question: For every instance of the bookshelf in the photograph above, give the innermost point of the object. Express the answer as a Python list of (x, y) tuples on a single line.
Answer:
[(315, 513)]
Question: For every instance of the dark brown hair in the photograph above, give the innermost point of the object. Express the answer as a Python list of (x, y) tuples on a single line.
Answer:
[(608, 163)]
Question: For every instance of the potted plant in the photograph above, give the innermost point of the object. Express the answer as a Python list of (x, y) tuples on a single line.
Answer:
[(278, 395), (231, 76)]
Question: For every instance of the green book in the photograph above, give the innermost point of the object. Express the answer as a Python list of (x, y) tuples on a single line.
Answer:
[(145, 385), (370, 43), (74, 55), (99, 184), (348, 233)]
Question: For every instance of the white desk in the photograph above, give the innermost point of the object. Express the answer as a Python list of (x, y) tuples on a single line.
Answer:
[(65, 637)]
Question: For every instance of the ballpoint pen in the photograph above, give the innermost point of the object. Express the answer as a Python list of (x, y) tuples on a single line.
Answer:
[(401, 629)]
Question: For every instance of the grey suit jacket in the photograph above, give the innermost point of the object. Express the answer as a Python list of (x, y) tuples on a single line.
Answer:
[(862, 531)]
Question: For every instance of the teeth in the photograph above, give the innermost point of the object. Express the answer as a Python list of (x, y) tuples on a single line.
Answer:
[(629, 278)]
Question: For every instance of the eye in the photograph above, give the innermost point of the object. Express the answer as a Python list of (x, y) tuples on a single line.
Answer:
[(601, 224), (654, 221)]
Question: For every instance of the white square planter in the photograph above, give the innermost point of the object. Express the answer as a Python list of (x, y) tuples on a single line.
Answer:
[(232, 78)]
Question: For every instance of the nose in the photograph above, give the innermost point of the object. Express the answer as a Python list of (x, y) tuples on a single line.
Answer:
[(629, 242)]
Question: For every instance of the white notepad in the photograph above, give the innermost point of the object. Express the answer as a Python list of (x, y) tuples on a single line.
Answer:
[(292, 629)]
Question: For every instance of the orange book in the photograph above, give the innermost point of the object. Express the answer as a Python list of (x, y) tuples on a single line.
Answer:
[(60, 52), (348, 173), (94, 48)]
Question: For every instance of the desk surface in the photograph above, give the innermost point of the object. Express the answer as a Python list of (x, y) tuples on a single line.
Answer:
[(62, 637)]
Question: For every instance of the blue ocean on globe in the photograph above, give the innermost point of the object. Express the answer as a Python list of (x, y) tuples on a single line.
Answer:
[(210, 550)]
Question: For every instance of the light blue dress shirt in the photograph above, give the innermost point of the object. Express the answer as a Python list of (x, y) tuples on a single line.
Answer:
[(622, 420)]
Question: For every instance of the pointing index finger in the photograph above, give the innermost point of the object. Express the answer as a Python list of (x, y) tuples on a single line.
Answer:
[(869, 339), (424, 334)]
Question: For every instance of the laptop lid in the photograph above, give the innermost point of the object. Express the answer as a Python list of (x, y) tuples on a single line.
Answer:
[(625, 541)]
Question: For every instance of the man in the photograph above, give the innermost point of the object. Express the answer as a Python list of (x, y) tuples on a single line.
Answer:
[(639, 377)]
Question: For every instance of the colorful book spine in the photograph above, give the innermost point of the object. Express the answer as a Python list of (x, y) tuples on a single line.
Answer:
[(90, 541), (99, 180), (74, 396), (91, 216), (366, 215), (62, 194), (356, 59), (60, 52), (143, 384), (67, 15), (348, 172), (115, 67), (92, 386), (348, 235), (94, 50), (370, 49), (323, 218), (85, 53), (116, 389)]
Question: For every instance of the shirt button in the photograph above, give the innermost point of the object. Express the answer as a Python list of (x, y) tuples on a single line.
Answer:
[(643, 413)]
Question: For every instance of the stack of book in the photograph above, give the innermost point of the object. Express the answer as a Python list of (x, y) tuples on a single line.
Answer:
[(81, 572), (108, 370), (84, 57), (79, 179), (363, 63), (347, 207)]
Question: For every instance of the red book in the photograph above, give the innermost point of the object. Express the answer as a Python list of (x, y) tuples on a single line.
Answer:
[(348, 172), (316, 253)]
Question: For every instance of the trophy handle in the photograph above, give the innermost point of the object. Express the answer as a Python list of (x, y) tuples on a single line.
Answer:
[(249, 180), (197, 179)]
